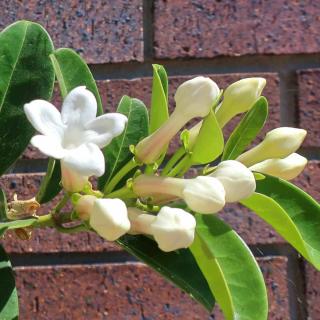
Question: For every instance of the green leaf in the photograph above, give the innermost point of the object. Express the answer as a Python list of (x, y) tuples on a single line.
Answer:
[(71, 72), (178, 266), (9, 307), (291, 212), (246, 130), (159, 100), (50, 185), (15, 224), (26, 74), (209, 143), (3, 206), (232, 273), (117, 153)]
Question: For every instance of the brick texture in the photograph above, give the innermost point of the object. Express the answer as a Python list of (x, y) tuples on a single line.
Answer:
[(130, 291), (309, 108), (102, 31), (312, 292), (206, 29)]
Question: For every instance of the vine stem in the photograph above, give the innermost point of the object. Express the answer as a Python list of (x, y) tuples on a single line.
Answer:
[(120, 174), (123, 193), (174, 159), (184, 164), (62, 203)]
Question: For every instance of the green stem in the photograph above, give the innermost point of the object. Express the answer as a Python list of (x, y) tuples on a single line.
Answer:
[(180, 166), (123, 193), (174, 159), (120, 174), (62, 203)]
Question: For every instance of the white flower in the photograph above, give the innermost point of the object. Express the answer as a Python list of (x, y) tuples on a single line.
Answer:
[(204, 194), (201, 194), (287, 168), (238, 181), (109, 218), (173, 229), (239, 97), (194, 98), (278, 143), (76, 135)]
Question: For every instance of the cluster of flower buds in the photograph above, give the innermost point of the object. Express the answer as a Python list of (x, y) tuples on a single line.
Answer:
[(76, 136), (275, 155), (230, 182)]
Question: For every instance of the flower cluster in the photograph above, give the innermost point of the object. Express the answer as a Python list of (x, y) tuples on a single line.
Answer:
[(146, 205)]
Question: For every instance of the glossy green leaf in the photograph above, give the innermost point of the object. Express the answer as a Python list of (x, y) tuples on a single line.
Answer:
[(9, 307), (26, 74), (209, 143), (231, 270), (15, 224), (117, 153), (159, 99), (71, 72), (246, 130), (178, 266), (291, 212), (3, 206)]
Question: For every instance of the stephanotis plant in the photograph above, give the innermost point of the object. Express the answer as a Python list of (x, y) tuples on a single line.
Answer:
[(145, 199)]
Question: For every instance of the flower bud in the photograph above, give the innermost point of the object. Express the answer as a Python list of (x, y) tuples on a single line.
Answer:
[(109, 218), (287, 168), (238, 181), (194, 98), (204, 195), (239, 97), (201, 194), (173, 229), (71, 180), (140, 221), (84, 206), (278, 143)]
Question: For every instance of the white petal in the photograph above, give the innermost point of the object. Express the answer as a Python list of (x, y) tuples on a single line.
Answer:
[(104, 128), (86, 159), (79, 106), (49, 146), (44, 117)]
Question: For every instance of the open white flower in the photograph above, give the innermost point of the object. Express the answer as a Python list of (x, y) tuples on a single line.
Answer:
[(76, 135)]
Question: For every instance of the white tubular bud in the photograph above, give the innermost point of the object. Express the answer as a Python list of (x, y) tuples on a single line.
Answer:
[(71, 180), (84, 206), (238, 181), (173, 229), (204, 195), (140, 221), (278, 143), (109, 218), (239, 97), (194, 98), (287, 168)]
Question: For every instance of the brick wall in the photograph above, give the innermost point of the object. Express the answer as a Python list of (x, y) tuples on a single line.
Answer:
[(83, 277)]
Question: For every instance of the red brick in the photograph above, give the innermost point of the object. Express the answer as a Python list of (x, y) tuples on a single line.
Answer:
[(118, 291), (309, 106), (206, 29), (112, 90), (312, 292), (101, 31)]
